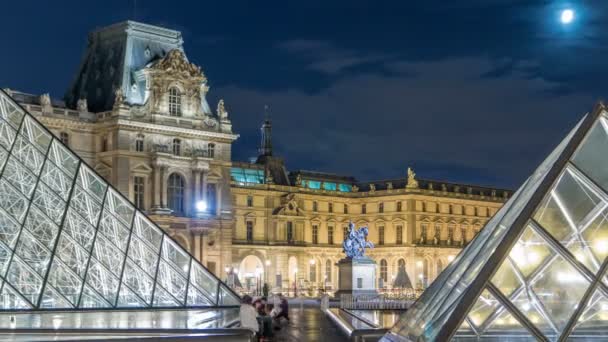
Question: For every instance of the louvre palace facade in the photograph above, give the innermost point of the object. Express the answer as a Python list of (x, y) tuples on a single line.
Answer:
[(137, 113)]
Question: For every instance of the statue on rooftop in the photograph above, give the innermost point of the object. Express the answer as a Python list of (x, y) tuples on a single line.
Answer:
[(222, 113), (298, 180), (355, 243), (412, 183)]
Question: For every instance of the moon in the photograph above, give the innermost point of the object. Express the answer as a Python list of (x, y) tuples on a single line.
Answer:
[(567, 16)]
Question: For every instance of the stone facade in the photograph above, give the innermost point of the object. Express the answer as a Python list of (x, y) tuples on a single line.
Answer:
[(137, 112)]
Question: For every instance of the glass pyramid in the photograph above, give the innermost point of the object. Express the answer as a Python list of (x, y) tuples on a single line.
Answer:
[(68, 240), (538, 269)]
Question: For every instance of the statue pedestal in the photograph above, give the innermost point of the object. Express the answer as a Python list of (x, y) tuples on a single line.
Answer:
[(357, 276)]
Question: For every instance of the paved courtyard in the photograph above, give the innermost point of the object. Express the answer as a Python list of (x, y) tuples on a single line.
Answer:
[(308, 324)]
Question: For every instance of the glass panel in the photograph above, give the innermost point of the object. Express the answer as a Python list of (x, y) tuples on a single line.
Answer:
[(505, 278), (74, 256), (127, 299), (19, 176), (170, 279), (559, 288), (49, 203), (505, 325), (591, 157), (12, 201), (5, 254), (595, 236), (12, 300), (102, 281), (33, 253), (28, 155), (529, 252), (162, 298), (41, 227), (204, 281), (143, 256), (53, 300), (108, 255), (7, 135), (138, 281), (485, 305), (25, 281), (63, 158), (3, 153), (111, 228), (148, 232), (79, 229), (57, 180), (93, 184), (85, 205), (566, 206), (66, 283), (227, 297), (36, 134), (91, 299), (197, 298), (176, 255), (594, 319), (119, 207), (10, 112), (9, 229)]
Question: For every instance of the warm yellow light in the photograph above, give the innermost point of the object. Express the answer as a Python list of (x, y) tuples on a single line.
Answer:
[(533, 257), (312, 261), (517, 254), (601, 246), (450, 258), (419, 263), (267, 262), (579, 256)]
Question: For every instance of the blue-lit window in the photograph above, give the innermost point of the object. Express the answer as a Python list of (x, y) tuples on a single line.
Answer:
[(314, 184), (247, 176), (345, 188), (329, 186)]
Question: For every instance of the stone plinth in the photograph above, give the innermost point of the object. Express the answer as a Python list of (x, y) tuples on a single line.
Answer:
[(357, 276)]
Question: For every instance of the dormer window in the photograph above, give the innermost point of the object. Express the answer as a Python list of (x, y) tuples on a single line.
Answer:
[(175, 102)]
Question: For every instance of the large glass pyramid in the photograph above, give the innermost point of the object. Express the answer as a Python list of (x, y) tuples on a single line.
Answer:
[(69, 240), (538, 270)]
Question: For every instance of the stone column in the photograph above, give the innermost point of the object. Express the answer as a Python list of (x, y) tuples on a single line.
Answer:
[(160, 191), (204, 185), (163, 186), (157, 188)]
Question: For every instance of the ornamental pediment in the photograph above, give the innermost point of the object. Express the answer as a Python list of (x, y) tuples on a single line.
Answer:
[(176, 63), (289, 207)]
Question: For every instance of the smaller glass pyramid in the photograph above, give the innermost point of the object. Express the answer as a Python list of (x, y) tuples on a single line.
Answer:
[(68, 240), (537, 271)]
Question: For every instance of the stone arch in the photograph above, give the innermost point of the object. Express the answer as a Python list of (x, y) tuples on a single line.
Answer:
[(251, 271)]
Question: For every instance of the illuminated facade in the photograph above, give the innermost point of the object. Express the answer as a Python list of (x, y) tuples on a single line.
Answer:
[(137, 113), (537, 271)]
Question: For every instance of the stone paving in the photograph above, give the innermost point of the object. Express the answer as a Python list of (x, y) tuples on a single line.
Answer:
[(308, 324)]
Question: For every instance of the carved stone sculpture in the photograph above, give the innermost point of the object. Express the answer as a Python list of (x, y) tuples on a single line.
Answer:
[(355, 243), (298, 180), (372, 187), (412, 183), (221, 110), (82, 105), (355, 188), (389, 186), (45, 100), (119, 98)]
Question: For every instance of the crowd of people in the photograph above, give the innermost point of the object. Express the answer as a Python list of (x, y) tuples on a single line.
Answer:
[(263, 317)]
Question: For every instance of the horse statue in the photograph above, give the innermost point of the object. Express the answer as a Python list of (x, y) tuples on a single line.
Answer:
[(355, 243)]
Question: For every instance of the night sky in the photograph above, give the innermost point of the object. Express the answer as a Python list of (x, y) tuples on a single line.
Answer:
[(469, 91)]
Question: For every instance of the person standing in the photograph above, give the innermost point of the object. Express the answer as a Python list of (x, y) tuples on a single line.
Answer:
[(248, 314)]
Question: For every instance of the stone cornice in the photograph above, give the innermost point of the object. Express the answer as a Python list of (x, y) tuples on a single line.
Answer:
[(156, 128)]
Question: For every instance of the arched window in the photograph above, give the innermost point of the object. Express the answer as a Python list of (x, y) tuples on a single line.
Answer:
[(328, 271), (384, 270), (139, 143), (177, 147), (211, 150), (175, 193), (175, 102), (65, 138)]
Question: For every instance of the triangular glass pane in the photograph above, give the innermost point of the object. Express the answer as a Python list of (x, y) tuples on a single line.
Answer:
[(93, 184), (63, 158), (176, 255), (204, 281), (12, 201), (507, 327), (28, 155), (52, 300), (114, 231), (595, 238), (567, 206), (591, 156), (197, 298), (49, 203), (7, 135), (227, 297), (74, 256), (527, 304), (127, 299), (85, 205), (12, 300), (33, 253), (593, 321), (79, 229), (109, 255), (24, 280), (119, 207), (148, 232), (41, 227), (163, 299), (10, 112), (65, 282), (9, 229), (506, 279), (529, 252), (483, 308), (91, 299), (36, 134), (138, 281), (102, 281), (559, 288), (18, 175), (56, 180), (143, 256), (172, 281), (5, 255)]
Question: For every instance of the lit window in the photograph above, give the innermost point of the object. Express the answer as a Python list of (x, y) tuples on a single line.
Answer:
[(328, 270), (175, 193), (138, 191), (381, 207), (381, 235), (399, 239), (249, 231), (345, 208), (250, 201), (175, 102), (313, 272), (399, 206), (289, 232), (330, 235), (315, 206), (65, 138), (384, 270), (363, 209), (177, 147), (330, 207), (315, 234), (139, 143), (211, 150)]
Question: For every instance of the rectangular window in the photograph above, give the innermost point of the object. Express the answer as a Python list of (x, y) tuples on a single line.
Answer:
[(289, 232), (399, 206), (315, 206), (381, 235), (381, 207), (315, 234), (399, 238), (330, 235), (345, 208), (250, 201), (345, 232), (138, 192), (139, 145), (312, 276), (363, 209), (249, 231), (330, 207), (104, 144), (65, 138)]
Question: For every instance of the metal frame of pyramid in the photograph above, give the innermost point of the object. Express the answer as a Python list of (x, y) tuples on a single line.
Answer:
[(538, 269), (70, 241)]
